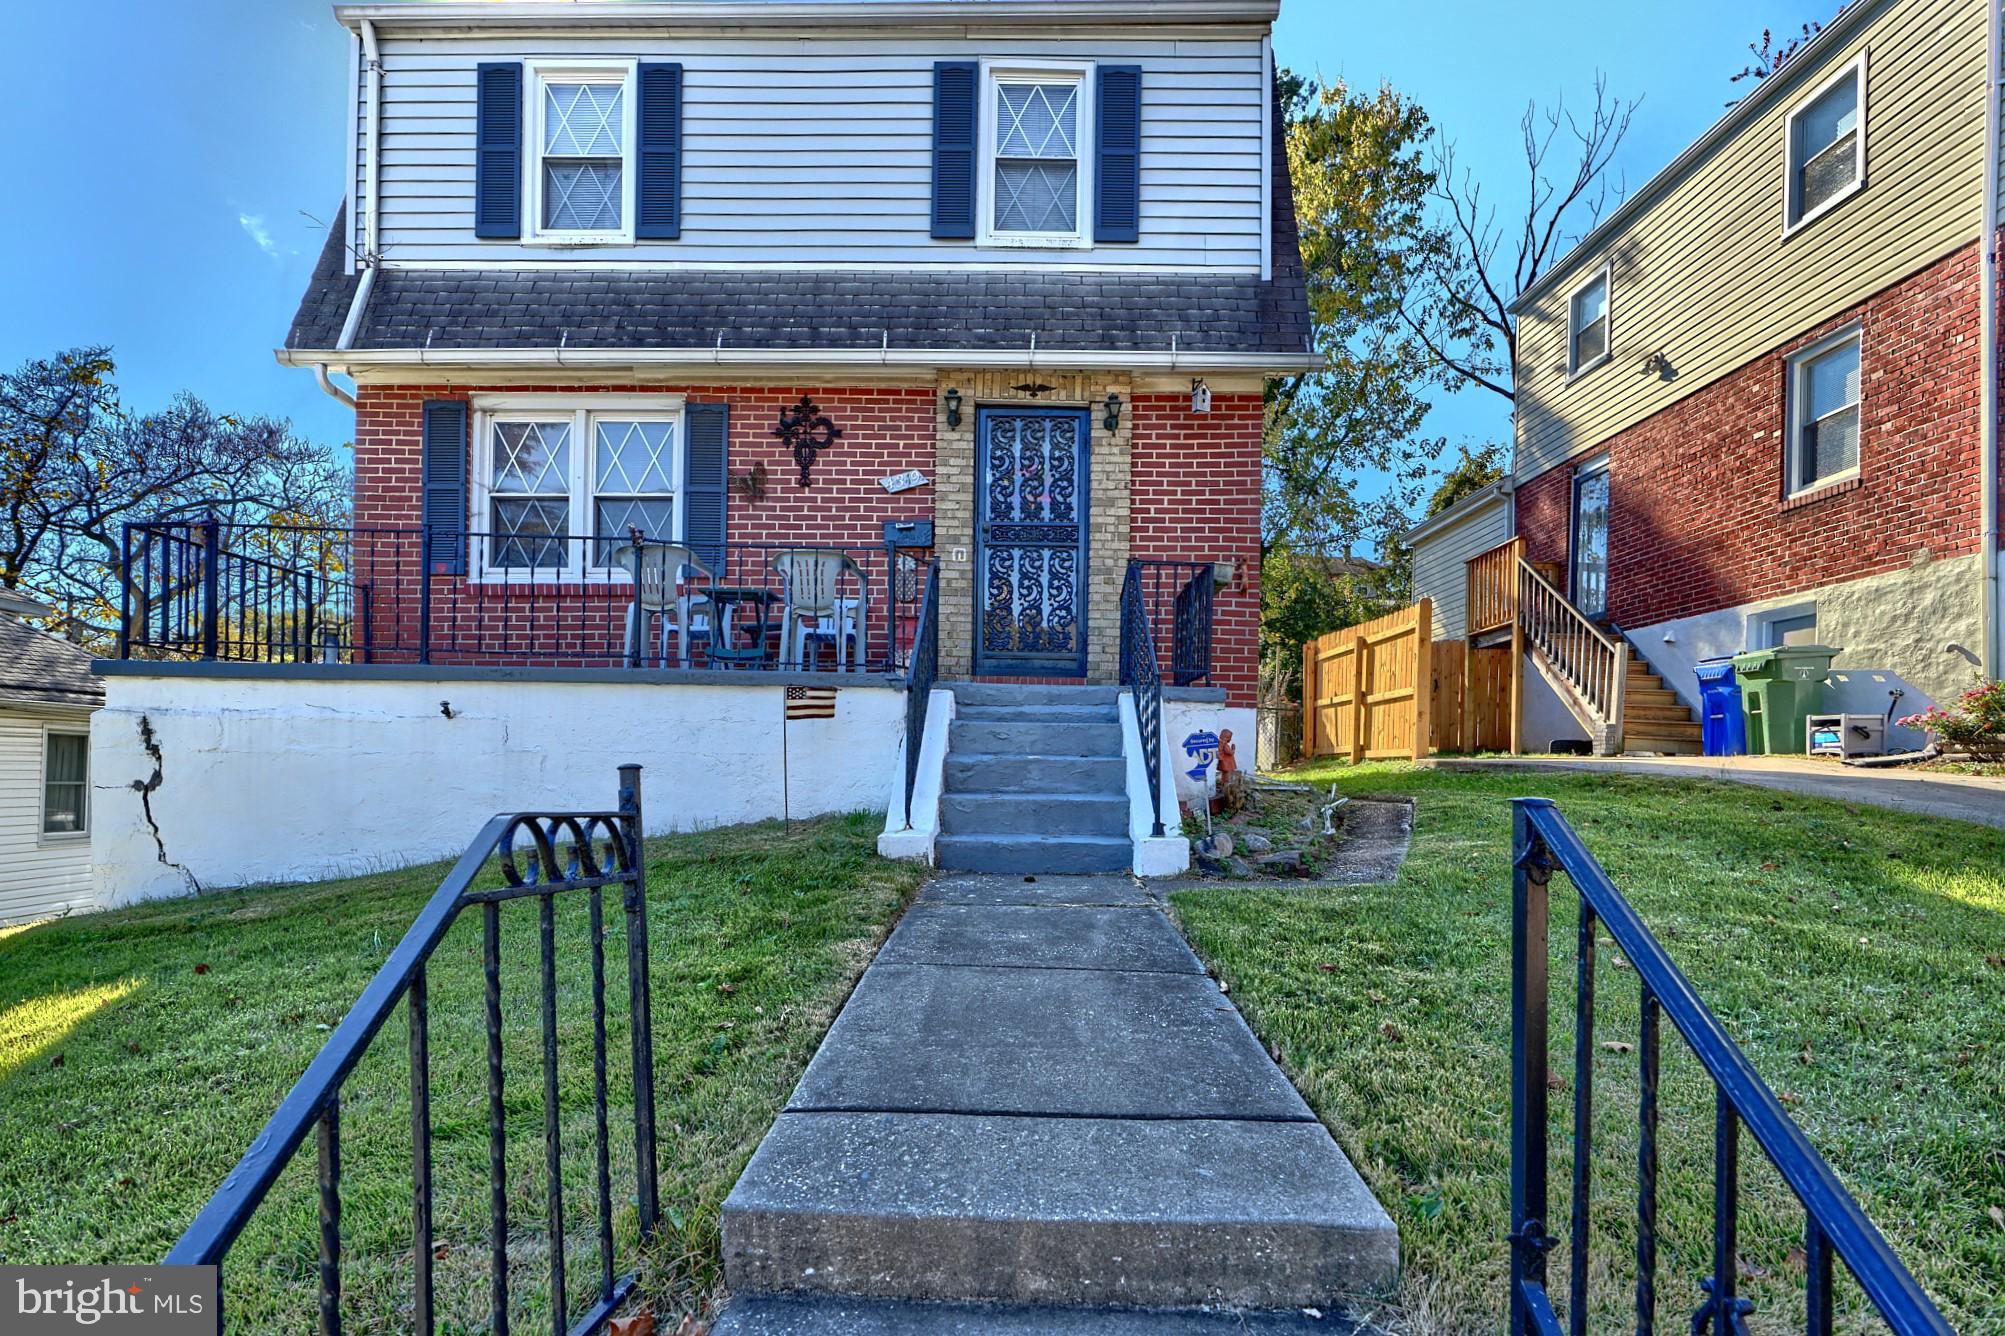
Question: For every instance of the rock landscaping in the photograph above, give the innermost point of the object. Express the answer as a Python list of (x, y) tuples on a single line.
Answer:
[(1279, 830)]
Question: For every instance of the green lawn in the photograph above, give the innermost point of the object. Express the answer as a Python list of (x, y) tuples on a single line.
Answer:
[(141, 1050), (1858, 956)]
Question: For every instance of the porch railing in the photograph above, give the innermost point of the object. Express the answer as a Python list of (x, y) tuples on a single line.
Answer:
[(1140, 674), (1493, 587), (1179, 595), (564, 853), (1542, 843), (921, 671), (421, 594), (1584, 657)]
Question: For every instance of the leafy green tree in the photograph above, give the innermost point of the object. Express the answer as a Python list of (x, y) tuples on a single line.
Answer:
[(76, 466), (1475, 470)]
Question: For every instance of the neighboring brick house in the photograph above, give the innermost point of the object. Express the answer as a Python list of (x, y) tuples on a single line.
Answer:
[(1751, 405)]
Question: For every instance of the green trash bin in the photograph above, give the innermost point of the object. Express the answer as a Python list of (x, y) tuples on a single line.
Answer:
[(1779, 690)]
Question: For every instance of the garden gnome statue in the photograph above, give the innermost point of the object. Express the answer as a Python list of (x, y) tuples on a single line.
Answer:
[(1231, 779)]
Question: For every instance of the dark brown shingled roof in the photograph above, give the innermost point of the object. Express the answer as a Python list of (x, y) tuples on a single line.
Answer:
[(37, 668)]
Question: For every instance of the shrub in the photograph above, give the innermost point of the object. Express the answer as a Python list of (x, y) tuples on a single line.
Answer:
[(1975, 723)]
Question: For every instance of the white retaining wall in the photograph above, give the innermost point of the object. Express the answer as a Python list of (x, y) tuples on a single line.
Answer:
[(275, 779)]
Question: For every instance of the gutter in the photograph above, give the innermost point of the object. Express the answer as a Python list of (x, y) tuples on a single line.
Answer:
[(1987, 334), (1836, 33), (1500, 490), (572, 359), (799, 13), (372, 61)]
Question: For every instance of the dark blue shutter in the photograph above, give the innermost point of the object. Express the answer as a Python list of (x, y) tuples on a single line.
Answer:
[(444, 469), (497, 151), (1117, 208), (705, 461), (956, 114), (658, 189)]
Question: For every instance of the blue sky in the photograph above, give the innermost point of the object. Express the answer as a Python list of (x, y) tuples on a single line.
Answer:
[(184, 142)]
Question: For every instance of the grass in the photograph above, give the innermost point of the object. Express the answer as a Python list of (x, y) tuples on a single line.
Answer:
[(141, 1050), (1857, 956)]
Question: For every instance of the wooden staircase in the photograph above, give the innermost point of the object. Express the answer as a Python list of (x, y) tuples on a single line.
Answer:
[(1653, 718)]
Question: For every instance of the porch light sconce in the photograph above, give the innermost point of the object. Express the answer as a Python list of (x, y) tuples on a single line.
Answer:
[(1200, 396), (1113, 419), (953, 408), (807, 431)]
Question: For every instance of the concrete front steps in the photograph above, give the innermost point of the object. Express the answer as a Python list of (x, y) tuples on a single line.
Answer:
[(1035, 782), (1653, 718), (1038, 1116)]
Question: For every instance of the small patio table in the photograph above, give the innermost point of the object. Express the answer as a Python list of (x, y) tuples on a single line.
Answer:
[(727, 597)]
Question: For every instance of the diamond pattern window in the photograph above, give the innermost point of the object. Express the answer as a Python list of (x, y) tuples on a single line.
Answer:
[(1037, 155), (633, 480), (1827, 145), (1824, 413), (529, 503), (581, 153)]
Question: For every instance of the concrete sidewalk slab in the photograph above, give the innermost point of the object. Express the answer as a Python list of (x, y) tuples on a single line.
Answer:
[(991, 888), (1002, 1209), (1028, 936), (1972, 798), (776, 1315), (1093, 1043)]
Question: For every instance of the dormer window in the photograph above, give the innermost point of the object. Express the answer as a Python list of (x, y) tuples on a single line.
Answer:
[(1038, 123), (1587, 325), (1826, 146), (580, 185)]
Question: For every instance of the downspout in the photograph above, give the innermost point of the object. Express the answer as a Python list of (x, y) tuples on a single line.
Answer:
[(372, 63), (1987, 335)]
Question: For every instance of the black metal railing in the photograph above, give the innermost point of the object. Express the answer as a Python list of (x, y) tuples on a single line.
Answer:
[(420, 594), (921, 671), (566, 852), (1140, 674), (1542, 843), (1178, 595)]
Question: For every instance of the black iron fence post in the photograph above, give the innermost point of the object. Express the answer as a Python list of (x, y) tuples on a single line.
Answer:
[(640, 1002), (125, 591), (1531, 869), (424, 592), (212, 536)]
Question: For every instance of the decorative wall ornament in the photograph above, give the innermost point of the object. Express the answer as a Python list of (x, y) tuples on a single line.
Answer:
[(1035, 391), (751, 484), (904, 482), (807, 431), (1200, 396)]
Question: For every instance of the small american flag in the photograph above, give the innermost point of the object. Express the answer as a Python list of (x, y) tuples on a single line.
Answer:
[(810, 703)]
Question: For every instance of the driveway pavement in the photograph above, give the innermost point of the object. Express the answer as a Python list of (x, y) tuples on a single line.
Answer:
[(1900, 789)]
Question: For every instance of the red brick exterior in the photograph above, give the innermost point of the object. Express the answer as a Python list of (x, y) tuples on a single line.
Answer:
[(1196, 480), (1698, 517), (1195, 496)]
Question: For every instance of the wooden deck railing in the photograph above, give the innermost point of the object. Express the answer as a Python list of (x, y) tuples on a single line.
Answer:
[(1493, 587), (1581, 654)]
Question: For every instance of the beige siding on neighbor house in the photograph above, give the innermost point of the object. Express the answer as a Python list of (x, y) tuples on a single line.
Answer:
[(1704, 273), (39, 876), (1438, 570)]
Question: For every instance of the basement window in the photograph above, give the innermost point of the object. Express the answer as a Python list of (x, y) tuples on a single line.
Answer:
[(1587, 325), (65, 783), (1824, 384), (1826, 146)]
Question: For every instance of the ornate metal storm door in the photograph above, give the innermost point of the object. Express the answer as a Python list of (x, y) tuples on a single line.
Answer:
[(1030, 541)]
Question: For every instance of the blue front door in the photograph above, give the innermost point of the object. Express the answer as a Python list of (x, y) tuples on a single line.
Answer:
[(1030, 541)]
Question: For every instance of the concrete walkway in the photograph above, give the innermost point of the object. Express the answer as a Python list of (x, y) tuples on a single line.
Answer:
[(1901, 789), (1038, 1102)]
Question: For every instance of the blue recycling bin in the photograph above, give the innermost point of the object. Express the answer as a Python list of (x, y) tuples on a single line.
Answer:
[(1722, 725)]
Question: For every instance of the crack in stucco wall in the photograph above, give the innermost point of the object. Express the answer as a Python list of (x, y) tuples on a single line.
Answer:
[(149, 742)]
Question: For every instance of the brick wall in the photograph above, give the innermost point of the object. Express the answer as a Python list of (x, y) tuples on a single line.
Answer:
[(1167, 484), (1197, 498), (1698, 517)]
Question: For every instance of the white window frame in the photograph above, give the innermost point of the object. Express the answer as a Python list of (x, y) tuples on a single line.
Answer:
[(42, 832), (1854, 69), (537, 73), (580, 413), (1797, 400), (994, 75), (1605, 276)]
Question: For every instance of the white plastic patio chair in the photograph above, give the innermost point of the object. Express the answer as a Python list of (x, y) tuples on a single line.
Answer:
[(662, 567), (812, 579)]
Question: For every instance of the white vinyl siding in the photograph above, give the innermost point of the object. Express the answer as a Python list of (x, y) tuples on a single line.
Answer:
[(1705, 276), (832, 166), (1439, 571), (40, 875)]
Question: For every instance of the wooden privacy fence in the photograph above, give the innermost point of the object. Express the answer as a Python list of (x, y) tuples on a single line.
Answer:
[(1368, 690), (1471, 703)]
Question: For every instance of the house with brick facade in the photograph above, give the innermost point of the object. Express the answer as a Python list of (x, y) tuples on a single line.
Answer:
[(1757, 405), (725, 374)]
